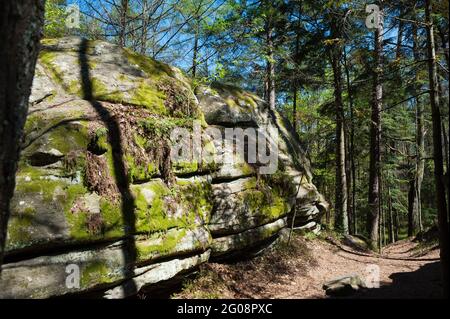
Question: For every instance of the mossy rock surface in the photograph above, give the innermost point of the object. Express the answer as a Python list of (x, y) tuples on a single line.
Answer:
[(116, 75), (247, 203), (159, 207)]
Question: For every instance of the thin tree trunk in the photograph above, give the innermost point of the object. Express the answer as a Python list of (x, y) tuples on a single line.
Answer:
[(415, 183), (357, 178), (349, 180), (295, 83), (381, 213), (195, 54), (383, 232), (123, 22), (351, 154), (296, 58), (327, 214), (437, 150), (391, 219), (375, 137), (443, 99), (270, 59), (396, 223), (420, 160), (413, 216), (341, 215), (270, 68), (444, 44), (398, 50), (21, 23), (294, 109), (144, 31)]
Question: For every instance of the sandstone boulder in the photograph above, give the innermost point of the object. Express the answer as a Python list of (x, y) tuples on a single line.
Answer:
[(98, 191)]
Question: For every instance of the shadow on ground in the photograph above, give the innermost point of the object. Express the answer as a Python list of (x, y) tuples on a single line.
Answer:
[(424, 283)]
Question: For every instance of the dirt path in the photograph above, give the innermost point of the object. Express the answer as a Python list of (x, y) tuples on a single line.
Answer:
[(405, 272), (405, 277)]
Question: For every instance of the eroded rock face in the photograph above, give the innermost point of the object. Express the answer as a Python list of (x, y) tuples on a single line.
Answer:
[(98, 195)]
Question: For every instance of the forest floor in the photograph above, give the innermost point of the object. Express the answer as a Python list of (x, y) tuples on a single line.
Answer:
[(408, 269)]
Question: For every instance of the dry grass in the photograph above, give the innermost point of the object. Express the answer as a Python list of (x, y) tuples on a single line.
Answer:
[(250, 278), (98, 177)]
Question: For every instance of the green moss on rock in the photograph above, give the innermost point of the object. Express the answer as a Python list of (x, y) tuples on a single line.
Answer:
[(236, 97), (112, 218), (76, 219), (41, 187), (197, 197), (264, 201), (152, 68), (153, 216), (67, 139), (182, 206), (19, 227), (184, 168), (161, 243), (95, 273), (140, 173), (49, 41), (47, 59), (148, 96)]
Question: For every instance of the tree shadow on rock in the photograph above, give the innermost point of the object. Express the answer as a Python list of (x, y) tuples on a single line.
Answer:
[(121, 179)]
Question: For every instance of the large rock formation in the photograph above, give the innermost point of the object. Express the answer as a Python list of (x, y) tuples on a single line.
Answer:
[(98, 197)]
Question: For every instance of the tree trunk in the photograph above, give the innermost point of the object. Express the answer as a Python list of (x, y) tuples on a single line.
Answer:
[(341, 215), (351, 155), (295, 83), (328, 212), (349, 180), (270, 68), (294, 109), (398, 50), (391, 218), (21, 23), (444, 43), (381, 214), (144, 30), (195, 54), (375, 137), (396, 223), (413, 216), (415, 184), (420, 159), (437, 150), (123, 22)]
